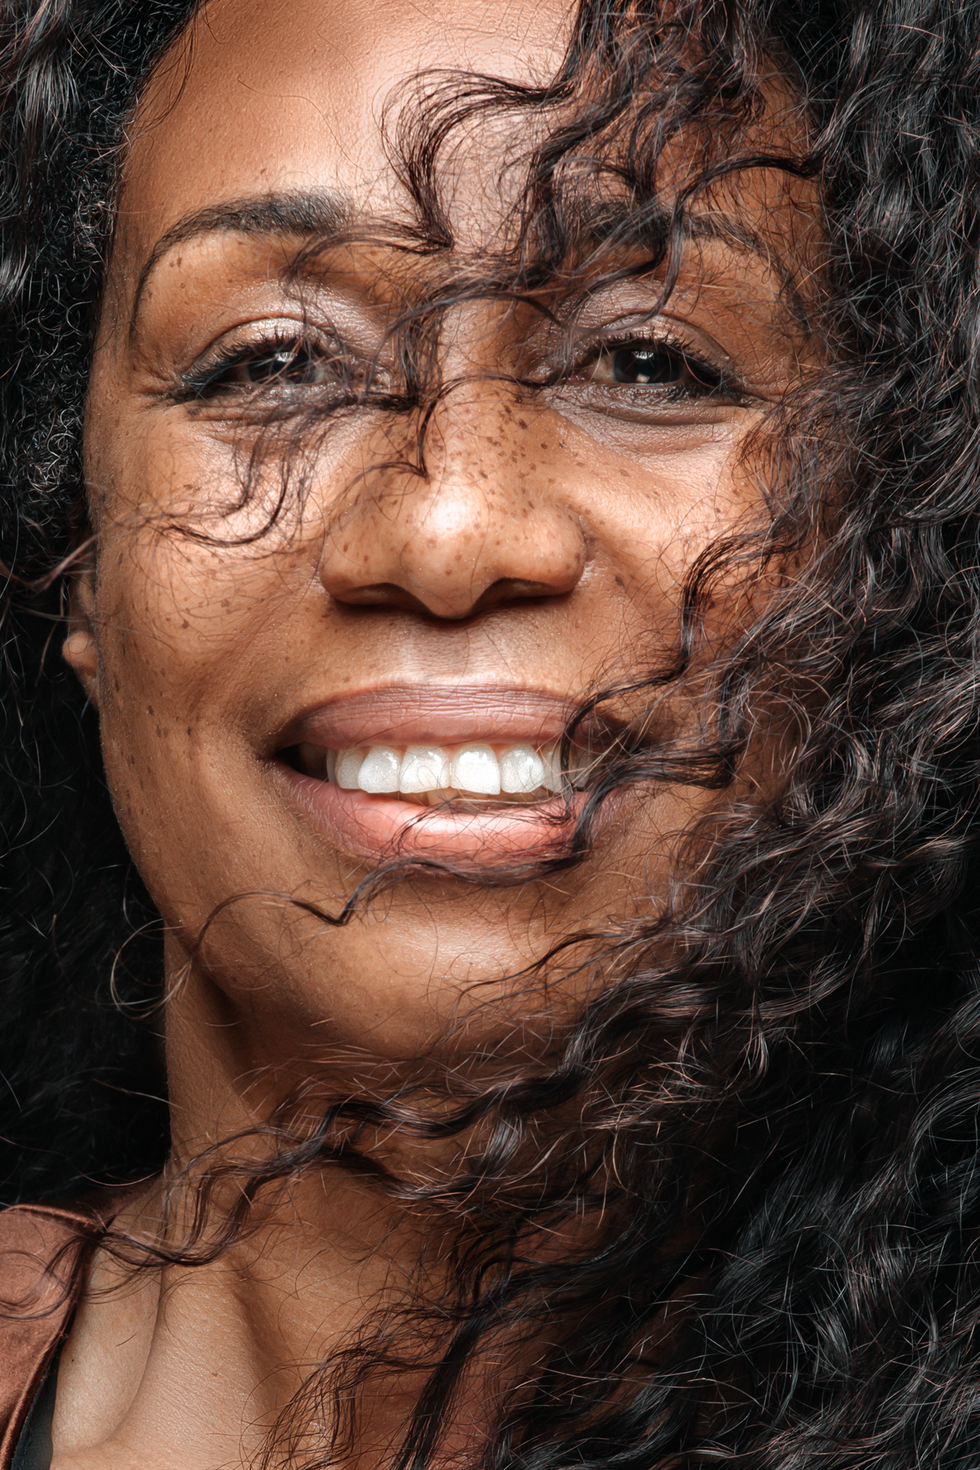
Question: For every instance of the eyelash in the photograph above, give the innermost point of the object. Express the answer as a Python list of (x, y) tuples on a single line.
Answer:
[(210, 379), (711, 380)]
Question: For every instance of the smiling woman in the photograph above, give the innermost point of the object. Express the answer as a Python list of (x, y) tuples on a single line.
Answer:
[(491, 764)]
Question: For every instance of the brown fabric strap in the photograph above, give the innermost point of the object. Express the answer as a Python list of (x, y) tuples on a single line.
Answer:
[(43, 1251)]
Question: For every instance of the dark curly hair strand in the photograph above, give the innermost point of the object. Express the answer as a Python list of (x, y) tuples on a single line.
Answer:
[(779, 1263)]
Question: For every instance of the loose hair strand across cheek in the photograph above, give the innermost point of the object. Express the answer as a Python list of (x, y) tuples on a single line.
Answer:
[(757, 1142)]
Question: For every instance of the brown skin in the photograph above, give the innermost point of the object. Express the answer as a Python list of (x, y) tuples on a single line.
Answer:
[(547, 542)]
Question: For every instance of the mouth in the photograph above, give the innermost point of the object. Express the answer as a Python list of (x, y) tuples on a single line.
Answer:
[(475, 773), (473, 778)]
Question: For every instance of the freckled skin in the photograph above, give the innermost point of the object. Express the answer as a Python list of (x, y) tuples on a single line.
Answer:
[(546, 549)]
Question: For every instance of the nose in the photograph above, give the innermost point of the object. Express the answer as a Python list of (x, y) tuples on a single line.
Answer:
[(479, 523)]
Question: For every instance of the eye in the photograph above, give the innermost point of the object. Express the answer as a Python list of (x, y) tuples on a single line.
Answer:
[(647, 364), (276, 362), (298, 364)]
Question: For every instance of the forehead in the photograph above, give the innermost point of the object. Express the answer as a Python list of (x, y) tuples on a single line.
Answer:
[(277, 95)]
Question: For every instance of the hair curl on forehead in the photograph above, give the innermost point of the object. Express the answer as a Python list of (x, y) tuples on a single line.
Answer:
[(632, 150), (820, 995)]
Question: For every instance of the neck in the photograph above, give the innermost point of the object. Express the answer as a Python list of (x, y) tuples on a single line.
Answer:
[(192, 1362)]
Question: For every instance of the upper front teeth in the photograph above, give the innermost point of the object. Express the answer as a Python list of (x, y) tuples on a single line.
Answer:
[(475, 768)]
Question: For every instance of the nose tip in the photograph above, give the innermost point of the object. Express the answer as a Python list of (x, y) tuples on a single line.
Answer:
[(464, 537)]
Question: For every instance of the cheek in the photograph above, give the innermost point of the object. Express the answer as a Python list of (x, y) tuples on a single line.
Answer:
[(657, 523), (195, 565), (186, 634)]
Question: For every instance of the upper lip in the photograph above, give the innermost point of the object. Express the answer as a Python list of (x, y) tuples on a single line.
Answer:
[(437, 714)]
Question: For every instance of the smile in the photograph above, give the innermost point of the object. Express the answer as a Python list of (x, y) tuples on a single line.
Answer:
[(471, 776), (433, 775)]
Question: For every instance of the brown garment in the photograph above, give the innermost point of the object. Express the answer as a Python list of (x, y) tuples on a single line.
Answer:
[(43, 1253)]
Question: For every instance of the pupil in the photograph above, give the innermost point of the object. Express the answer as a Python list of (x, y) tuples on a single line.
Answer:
[(261, 369), (645, 365)]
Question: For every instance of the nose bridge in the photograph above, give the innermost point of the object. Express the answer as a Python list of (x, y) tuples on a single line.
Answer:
[(465, 493), (471, 523)]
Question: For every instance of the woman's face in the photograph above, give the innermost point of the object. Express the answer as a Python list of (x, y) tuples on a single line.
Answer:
[(541, 553)]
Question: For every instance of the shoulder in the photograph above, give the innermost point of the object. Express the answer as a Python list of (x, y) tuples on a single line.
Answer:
[(43, 1249)]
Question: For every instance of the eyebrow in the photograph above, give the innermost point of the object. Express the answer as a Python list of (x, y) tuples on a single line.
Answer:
[(324, 216), (312, 214), (623, 225)]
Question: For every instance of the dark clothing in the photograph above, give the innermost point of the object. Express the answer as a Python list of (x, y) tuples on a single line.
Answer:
[(34, 1448)]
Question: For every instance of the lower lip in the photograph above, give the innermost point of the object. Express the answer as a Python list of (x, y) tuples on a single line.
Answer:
[(381, 830)]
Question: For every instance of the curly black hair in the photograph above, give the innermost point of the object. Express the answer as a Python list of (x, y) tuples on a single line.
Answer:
[(813, 1145)]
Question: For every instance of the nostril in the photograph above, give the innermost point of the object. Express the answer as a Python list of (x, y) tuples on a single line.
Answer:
[(377, 594), (453, 547), (453, 605), (515, 589)]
